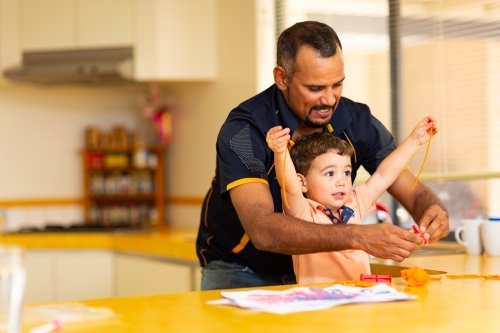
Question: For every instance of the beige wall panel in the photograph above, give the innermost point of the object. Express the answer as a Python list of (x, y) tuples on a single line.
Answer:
[(204, 106)]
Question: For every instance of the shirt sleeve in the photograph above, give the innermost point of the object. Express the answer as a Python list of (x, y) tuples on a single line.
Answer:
[(242, 155)]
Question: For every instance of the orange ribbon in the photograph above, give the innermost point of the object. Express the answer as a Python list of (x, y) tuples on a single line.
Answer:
[(425, 158)]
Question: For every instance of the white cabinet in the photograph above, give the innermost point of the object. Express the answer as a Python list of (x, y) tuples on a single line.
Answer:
[(39, 277), (176, 40), (137, 275), (83, 274), (105, 23), (48, 24), (9, 35), (197, 279), (68, 275), (172, 40), (69, 24)]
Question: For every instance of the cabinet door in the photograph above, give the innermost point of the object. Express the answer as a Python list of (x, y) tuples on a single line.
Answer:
[(39, 276), (69, 24), (47, 24), (84, 274), (136, 275), (10, 50), (176, 40), (104, 23), (197, 278)]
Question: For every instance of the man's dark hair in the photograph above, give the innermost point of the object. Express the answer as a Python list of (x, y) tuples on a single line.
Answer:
[(317, 35), (308, 147)]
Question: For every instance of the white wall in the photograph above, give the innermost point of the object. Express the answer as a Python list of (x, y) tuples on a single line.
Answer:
[(42, 129), (204, 106), (41, 135)]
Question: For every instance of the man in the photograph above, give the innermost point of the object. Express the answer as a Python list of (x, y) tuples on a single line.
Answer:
[(244, 239)]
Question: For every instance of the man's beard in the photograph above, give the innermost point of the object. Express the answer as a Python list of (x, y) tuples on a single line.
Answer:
[(308, 122), (318, 124)]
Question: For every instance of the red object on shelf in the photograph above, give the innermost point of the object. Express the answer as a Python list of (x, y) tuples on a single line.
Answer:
[(376, 278), (95, 160)]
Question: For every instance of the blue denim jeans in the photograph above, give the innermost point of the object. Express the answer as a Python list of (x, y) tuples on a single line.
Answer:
[(219, 274)]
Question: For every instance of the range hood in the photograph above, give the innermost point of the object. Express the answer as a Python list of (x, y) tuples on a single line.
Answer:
[(85, 66)]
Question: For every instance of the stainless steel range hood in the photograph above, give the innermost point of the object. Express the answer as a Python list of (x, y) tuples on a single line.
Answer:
[(86, 66)]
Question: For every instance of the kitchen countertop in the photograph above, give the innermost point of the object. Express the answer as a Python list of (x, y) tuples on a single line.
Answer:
[(450, 305), (175, 243)]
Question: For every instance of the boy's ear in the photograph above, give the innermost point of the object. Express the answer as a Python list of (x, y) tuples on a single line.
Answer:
[(303, 182)]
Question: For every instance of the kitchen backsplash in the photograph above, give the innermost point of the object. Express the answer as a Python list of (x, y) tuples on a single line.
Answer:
[(16, 218)]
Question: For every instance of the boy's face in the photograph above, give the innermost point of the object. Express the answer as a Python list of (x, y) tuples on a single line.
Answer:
[(329, 180)]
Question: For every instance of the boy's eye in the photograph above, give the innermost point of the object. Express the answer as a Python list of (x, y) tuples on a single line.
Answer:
[(347, 173), (329, 173)]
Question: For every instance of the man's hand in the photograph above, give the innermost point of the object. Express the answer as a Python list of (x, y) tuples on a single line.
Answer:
[(423, 205), (387, 241), (434, 223)]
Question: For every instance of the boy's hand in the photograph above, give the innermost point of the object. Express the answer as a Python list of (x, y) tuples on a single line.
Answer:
[(427, 127), (277, 139)]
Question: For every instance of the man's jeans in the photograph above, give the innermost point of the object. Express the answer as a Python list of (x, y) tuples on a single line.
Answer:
[(219, 274)]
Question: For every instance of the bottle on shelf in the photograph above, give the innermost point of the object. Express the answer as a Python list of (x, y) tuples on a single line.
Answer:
[(123, 180)]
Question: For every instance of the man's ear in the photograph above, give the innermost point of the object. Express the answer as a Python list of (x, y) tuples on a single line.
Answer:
[(280, 78), (303, 182)]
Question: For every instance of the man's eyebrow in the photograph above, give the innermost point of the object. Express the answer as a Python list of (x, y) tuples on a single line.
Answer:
[(320, 85), (341, 80)]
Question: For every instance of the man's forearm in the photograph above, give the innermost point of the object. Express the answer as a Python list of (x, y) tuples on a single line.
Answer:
[(423, 200), (287, 235), (416, 201), (284, 234), (277, 232)]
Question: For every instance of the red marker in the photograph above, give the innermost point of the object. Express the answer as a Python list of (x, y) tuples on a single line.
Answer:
[(376, 278), (417, 231)]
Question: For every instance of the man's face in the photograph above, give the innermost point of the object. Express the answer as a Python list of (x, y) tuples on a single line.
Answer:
[(315, 89)]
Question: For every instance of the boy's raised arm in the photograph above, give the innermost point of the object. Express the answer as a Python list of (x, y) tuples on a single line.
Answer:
[(396, 162), (277, 139)]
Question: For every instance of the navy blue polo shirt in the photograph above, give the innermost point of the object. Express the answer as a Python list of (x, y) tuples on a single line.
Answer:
[(244, 157)]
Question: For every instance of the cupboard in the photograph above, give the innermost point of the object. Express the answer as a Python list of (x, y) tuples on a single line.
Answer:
[(172, 40), (69, 275), (68, 24)]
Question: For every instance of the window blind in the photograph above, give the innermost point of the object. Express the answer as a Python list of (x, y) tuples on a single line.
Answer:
[(449, 68)]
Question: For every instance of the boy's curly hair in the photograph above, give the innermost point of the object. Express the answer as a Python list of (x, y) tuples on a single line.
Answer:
[(308, 147)]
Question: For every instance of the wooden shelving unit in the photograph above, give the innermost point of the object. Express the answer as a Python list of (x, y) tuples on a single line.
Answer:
[(124, 186)]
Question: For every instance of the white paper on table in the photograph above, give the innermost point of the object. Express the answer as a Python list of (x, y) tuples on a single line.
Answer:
[(309, 299)]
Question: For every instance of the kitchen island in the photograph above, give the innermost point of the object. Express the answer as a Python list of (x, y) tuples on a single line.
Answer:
[(449, 305)]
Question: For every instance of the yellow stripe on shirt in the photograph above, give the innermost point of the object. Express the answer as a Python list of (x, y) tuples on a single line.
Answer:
[(243, 242), (245, 181)]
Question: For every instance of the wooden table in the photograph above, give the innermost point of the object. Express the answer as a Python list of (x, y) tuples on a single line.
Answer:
[(450, 305)]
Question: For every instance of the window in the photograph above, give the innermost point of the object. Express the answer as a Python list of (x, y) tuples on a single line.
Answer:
[(449, 68)]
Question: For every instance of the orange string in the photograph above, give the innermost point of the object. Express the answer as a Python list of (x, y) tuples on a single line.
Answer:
[(283, 182), (425, 158)]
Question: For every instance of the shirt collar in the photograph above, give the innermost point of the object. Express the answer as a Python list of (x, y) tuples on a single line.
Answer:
[(341, 118)]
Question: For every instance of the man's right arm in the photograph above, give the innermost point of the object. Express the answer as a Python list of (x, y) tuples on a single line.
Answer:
[(277, 232)]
